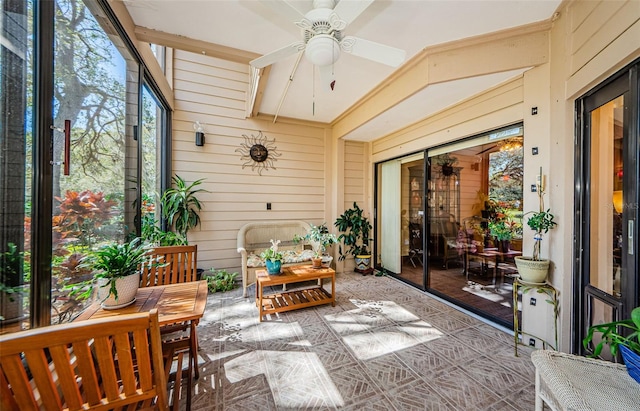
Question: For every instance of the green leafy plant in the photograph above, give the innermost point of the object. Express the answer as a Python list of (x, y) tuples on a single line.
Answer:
[(153, 234), (180, 206), (271, 254), (355, 229), (10, 264), (115, 261), (220, 280), (319, 237), (613, 336), (540, 221)]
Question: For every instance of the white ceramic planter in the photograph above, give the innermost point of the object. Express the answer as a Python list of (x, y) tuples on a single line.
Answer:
[(532, 271), (127, 288), (326, 261)]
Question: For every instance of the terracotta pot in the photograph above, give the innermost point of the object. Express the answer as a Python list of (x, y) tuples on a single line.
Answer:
[(316, 262)]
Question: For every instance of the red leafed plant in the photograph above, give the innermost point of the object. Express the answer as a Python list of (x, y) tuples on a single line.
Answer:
[(81, 215)]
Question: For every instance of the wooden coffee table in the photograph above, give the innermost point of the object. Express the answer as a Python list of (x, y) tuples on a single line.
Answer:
[(295, 299)]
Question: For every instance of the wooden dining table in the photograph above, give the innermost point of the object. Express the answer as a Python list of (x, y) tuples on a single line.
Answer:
[(176, 303)]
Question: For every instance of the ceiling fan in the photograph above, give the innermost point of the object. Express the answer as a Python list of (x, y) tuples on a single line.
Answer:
[(322, 35)]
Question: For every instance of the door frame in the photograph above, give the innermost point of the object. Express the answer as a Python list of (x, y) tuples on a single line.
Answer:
[(624, 82)]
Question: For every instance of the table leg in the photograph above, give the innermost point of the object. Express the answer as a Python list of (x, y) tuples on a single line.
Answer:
[(333, 290), (194, 348), (259, 290)]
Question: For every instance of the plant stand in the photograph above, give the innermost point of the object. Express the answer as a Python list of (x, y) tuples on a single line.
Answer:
[(542, 288)]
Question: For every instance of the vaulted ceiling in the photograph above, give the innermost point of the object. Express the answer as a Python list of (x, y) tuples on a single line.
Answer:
[(454, 50)]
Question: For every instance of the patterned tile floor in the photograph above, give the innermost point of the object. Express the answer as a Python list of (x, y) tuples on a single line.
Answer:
[(384, 346)]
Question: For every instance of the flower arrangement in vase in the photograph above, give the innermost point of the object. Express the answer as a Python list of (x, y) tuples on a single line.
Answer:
[(272, 258)]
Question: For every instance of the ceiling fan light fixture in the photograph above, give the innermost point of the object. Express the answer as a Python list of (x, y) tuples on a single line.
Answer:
[(322, 50)]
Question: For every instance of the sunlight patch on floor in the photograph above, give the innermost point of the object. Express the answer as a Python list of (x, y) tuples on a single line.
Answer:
[(377, 328), (296, 379)]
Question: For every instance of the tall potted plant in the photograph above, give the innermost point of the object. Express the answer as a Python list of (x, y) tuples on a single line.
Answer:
[(180, 206), (534, 269), (117, 272), (355, 229)]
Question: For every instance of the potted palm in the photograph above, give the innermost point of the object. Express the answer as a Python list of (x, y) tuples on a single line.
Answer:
[(355, 229), (180, 206), (117, 272), (626, 342), (534, 269), (272, 258)]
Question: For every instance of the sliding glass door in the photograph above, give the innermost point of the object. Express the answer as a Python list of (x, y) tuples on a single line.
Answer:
[(401, 218), (451, 222), (72, 152)]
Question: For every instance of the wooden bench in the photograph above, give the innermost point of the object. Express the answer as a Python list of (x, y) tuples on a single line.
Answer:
[(107, 363)]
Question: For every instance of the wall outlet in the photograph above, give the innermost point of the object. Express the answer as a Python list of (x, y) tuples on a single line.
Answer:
[(532, 342)]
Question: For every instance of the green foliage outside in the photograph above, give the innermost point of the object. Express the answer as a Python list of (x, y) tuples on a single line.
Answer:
[(220, 280)]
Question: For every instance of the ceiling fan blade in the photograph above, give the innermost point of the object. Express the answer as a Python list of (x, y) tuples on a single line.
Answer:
[(349, 10), (283, 7), (371, 50), (277, 55)]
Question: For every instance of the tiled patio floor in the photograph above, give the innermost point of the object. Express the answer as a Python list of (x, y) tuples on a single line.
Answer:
[(384, 346)]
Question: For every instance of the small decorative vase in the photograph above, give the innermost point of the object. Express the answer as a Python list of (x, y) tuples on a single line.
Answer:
[(127, 288), (532, 271), (632, 361), (326, 261), (273, 267), (316, 262)]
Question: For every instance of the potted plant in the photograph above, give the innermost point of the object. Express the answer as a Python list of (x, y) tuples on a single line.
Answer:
[(180, 206), (272, 258), (446, 162), (10, 288), (320, 238), (117, 272), (614, 335), (355, 229), (534, 269)]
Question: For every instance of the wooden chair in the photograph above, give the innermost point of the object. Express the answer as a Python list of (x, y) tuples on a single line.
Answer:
[(171, 265), (95, 364)]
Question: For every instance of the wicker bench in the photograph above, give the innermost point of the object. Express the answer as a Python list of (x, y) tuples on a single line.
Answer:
[(570, 382), (255, 237)]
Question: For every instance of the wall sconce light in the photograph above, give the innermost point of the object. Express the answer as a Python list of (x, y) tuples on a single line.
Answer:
[(199, 133)]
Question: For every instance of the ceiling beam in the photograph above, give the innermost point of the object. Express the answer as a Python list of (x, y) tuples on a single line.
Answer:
[(516, 48), (194, 46), (258, 78)]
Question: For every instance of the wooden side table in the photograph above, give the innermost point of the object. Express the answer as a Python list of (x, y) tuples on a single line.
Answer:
[(293, 300)]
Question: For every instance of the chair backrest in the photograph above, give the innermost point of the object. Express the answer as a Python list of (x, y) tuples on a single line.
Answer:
[(94, 364), (170, 265), (415, 235)]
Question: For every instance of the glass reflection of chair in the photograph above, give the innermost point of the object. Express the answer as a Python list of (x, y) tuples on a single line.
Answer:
[(415, 244)]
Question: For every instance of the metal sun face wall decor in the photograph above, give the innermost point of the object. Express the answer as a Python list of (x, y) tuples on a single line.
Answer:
[(258, 152)]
